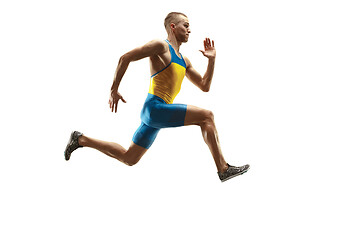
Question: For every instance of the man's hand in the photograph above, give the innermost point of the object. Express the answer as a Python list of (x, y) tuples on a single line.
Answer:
[(114, 99), (209, 47)]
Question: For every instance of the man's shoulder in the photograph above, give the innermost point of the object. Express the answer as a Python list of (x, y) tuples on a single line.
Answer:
[(158, 44)]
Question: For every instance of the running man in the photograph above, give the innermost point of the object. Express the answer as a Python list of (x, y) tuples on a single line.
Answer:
[(168, 69)]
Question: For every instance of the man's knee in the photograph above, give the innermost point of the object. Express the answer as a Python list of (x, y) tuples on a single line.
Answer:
[(132, 161), (208, 118), (130, 164), (134, 154), (127, 159)]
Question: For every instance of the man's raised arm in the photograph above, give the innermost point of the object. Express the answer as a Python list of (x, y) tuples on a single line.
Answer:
[(204, 82)]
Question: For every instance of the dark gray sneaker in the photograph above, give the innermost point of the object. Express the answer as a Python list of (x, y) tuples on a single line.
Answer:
[(73, 144), (233, 172)]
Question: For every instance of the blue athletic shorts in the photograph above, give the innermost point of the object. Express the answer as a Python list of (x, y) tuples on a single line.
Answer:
[(157, 114)]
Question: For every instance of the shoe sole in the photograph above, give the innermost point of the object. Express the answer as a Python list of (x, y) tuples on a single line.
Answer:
[(238, 174)]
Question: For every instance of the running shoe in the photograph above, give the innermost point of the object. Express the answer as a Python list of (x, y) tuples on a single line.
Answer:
[(73, 144), (233, 172)]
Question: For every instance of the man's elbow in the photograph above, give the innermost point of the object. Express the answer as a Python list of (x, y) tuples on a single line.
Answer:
[(205, 88), (125, 59)]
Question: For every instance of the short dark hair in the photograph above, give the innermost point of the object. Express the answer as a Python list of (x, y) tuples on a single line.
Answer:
[(172, 18)]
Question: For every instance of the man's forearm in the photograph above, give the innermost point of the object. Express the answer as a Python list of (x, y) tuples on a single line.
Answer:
[(120, 71), (209, 74)]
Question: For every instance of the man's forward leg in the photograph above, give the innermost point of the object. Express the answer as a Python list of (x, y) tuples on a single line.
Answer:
[(205, 119)]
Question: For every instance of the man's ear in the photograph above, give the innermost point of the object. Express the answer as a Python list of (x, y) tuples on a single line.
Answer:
[(172, 26)]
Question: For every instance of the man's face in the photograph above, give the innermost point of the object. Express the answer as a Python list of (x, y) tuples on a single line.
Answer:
[(182, 29)]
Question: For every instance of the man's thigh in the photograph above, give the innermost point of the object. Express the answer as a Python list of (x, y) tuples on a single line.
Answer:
[(166, 115)]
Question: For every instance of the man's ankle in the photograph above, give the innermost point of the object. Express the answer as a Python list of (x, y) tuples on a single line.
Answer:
[(224, 168), (82, 140)]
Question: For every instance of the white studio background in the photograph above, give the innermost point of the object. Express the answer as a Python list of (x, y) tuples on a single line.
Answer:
[(285, 96)]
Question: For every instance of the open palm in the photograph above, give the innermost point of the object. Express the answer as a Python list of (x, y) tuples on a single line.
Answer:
[(209, 48)]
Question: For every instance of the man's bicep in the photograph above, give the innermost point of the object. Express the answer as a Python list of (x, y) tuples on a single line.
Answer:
[(151, 48)]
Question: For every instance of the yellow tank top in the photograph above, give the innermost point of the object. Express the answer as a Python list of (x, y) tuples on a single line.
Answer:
[(166, 83)]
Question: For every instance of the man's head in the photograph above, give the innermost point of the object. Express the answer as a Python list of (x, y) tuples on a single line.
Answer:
[(178, 24)]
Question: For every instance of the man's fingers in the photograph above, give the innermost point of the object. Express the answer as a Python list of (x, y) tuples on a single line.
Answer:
[(113, 102), (208, 43), (116, 107)]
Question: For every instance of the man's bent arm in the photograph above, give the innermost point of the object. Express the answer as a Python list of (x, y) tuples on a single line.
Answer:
[(154, 47), (204, 82), (150, 49)]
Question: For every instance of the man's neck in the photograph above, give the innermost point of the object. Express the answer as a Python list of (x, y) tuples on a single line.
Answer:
[(174, 43)]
